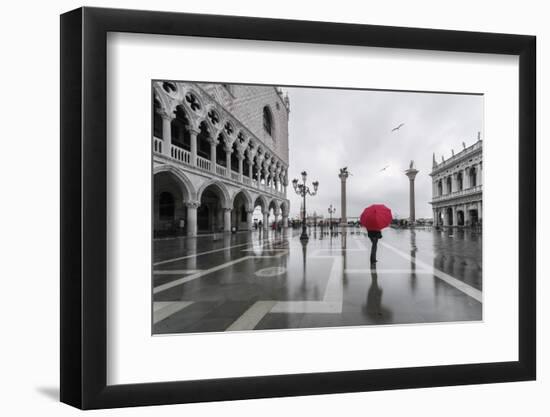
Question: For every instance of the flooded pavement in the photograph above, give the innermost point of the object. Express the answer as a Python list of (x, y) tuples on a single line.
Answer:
[(254, 281)]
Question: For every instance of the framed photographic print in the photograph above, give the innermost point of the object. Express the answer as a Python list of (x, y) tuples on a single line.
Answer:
[(258, 208)]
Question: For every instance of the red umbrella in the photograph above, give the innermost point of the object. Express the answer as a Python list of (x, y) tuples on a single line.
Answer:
[(376, 217)]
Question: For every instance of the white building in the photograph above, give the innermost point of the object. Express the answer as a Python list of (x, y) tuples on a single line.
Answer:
[(457, 187), (219, 151)]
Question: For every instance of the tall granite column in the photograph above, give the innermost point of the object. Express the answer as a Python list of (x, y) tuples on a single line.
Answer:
[(411, 173), (344, 174)]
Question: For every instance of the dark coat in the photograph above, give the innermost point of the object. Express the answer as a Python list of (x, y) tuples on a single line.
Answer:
[(374, 234)]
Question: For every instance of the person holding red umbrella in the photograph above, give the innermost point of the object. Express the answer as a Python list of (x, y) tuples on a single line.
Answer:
[(375, 218)]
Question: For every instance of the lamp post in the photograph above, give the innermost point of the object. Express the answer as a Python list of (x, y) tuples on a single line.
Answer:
[(331, 211), (302, 190)]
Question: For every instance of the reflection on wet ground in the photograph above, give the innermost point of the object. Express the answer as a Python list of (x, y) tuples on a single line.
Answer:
[(272, 280)]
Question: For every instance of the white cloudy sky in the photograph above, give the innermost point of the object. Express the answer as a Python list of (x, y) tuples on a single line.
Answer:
[(330, 129)]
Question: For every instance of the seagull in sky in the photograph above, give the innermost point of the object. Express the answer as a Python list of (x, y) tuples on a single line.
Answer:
[(383, 169), (398, 127)]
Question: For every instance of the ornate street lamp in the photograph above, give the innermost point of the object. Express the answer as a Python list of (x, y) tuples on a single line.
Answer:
[(331, 211), (303, 190)]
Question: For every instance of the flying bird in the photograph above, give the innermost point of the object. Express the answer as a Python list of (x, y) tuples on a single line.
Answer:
[(398, 127), (383, 169)]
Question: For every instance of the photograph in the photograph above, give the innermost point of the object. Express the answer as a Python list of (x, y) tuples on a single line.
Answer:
[(279, 207)]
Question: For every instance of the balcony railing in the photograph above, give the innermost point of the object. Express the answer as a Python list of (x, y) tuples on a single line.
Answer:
[(204, 163), (454, 194), (157, 145), (183, 156), (221, 170)]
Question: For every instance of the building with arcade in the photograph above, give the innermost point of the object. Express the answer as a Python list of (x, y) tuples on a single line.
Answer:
[(219, 152), (457, 193)]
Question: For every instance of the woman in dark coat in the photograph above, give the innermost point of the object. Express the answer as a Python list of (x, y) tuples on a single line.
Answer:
[(374, 235)]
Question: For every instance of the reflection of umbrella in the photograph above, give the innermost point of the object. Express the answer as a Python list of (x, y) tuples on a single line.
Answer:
[(376, 217)]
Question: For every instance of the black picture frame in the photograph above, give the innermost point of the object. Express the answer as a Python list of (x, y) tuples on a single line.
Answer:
[(84, 179)]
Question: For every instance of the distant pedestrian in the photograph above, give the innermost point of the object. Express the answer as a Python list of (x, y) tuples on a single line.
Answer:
[(374, 235)]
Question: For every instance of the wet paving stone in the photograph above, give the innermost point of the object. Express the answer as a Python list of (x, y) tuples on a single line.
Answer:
[(422, 276)]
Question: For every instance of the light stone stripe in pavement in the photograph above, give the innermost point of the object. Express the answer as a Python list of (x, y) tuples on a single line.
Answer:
[(459, 285), (251, 317), (331, 303), (176, 271), (164, 309), (208, 252), (191, 277)]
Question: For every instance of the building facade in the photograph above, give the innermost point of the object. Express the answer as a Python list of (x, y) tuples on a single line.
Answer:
[(457, 194), (219, 151)]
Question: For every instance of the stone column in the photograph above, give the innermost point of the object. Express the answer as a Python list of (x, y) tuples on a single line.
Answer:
[(240, 156), (455, 217), (193, 135), (266, 220), (192, 218), (411, 174), (434, 214), (228, 149), (250, 169), (266, 176), (213, 156), (285, 219), (166, 134), (249, 221), (227, 219), (277, 212), (479, 210), (343, 178), (454, 181), (479, 174)]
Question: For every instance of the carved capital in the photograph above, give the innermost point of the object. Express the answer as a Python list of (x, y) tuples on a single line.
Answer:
[(192, 204)]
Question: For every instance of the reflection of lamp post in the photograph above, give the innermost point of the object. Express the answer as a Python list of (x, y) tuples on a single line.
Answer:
[(331, 211), (303, 190)]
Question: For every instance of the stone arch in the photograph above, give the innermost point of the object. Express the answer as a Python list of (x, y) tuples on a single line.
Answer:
[(188, 190), (247, 198), (261, 201), (241, 213), (171, 191), (223, 193)]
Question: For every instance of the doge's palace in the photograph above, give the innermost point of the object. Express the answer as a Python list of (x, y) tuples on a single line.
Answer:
[(219, 151)]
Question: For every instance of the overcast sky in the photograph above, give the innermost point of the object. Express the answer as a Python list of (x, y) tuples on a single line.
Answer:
[(330, 129)]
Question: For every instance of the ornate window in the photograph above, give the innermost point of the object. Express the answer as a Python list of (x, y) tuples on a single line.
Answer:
[(268, 121)]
